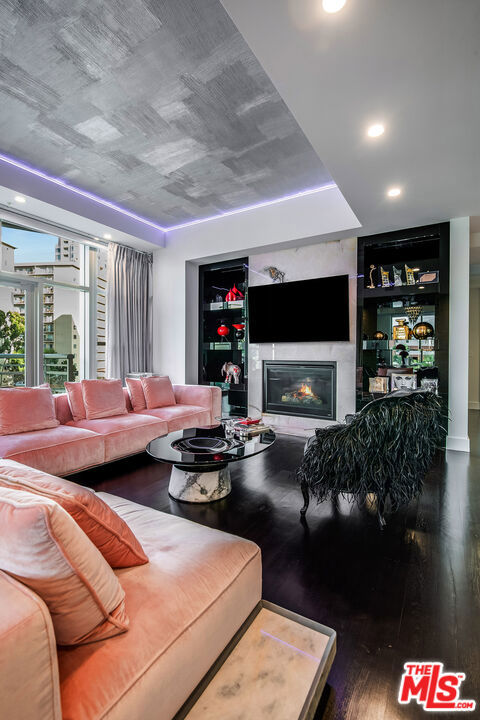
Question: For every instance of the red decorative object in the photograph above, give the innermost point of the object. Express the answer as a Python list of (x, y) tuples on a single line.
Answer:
[(234, 294), (239, 330), (223, 330)]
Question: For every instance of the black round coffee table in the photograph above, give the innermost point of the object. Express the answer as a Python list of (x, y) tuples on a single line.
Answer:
[(201, 459)]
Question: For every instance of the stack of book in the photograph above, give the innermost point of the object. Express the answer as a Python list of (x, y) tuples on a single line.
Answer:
[(250, 430)]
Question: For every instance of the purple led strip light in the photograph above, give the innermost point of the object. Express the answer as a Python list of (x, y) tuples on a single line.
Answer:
[(266, 203), (106, 203), (292, 647), (78, 191)]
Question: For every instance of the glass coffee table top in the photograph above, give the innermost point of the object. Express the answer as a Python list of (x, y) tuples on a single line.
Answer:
[(206, 446)]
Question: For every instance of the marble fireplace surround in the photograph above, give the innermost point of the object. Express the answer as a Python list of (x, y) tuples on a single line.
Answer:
[(321, 259)]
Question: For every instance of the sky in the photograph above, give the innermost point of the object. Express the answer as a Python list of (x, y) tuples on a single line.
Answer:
[(30, 246)]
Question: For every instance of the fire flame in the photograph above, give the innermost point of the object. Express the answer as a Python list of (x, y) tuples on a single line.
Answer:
[(305, 391)]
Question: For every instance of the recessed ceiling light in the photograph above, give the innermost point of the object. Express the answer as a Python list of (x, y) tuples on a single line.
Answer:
[(333, 6), (375, 130), (394, 192), (19, 199), (421, 287), (416, 269), (107, 236)]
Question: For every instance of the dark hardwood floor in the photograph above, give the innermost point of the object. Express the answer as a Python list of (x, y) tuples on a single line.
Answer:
[(411, 592)]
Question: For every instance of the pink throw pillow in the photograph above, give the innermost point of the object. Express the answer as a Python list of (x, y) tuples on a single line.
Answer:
[(43, 547), (26, 409), (108, 532), (103, 398), (135, 390), (75, 400), (158, 392)]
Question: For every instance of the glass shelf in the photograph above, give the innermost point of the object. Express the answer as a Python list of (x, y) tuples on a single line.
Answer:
[(222, 306), (241, 387), (391, 344), (236, 345)]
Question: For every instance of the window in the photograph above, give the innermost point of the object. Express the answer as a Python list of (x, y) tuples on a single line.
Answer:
[(52, 290)]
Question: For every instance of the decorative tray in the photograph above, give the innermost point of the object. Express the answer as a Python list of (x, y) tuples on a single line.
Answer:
[(204, 445)]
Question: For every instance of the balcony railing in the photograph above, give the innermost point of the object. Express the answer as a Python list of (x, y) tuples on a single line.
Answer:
[(56, 370)]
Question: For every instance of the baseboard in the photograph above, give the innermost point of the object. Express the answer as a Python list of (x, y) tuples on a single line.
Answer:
[(473, 405), (461, 444)]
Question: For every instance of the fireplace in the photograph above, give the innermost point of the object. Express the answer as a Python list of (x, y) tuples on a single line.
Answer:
[(305, 389)]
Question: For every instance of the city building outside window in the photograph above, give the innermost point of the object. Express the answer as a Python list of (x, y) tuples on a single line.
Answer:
[(45, 318)]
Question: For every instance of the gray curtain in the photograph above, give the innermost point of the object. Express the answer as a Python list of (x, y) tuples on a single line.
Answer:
[(129, 311)]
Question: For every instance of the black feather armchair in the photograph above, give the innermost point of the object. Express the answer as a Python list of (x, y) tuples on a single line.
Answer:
[(386, 449)]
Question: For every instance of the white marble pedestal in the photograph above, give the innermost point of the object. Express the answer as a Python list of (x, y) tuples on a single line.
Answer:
[(199, 487)]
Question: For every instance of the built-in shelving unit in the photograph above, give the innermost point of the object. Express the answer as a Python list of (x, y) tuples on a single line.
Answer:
[(214, 350), (381, 304)]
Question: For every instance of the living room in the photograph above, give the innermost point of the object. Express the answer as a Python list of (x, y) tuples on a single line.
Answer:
[(239, 359)]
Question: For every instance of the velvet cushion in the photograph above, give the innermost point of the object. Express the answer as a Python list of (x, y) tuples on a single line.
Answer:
[(103, 398), (125, 434), (29, 681), (26, 409), (181, 417), (60, 450), (135, 391), (158, 391), (75, 400), (108, 532), (43, 547)]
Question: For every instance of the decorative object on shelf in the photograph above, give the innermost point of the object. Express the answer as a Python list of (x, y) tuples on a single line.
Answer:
[(400, 381), (234, 294), (223, 330), (401, 331), (430, 384), (385, 277), (381, 363), (378, 385), (219, 298), (431, 276), (275, 274), (397, 277), (380, 335), (403, 353), (230, 370), (413, 311), (409, 272), (423, 330), (372, 285), (239, 330)]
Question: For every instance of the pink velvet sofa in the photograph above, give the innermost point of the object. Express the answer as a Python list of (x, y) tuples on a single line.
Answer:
[(184, 606), (75, 446)]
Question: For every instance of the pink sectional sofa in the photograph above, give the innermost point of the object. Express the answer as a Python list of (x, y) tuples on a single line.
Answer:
[(184, 606), (75, 446)]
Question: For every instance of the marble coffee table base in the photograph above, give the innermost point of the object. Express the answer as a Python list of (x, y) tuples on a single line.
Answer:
[(199, 487)]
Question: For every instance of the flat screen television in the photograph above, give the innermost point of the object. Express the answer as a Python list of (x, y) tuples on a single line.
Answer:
[(304, 311)]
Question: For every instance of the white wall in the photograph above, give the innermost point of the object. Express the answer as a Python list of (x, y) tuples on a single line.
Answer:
[(322, 259), (294, 222), (474, 350), (459, 330)]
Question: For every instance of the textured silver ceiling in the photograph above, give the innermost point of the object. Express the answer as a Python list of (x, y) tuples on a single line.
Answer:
[(158, 105)]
